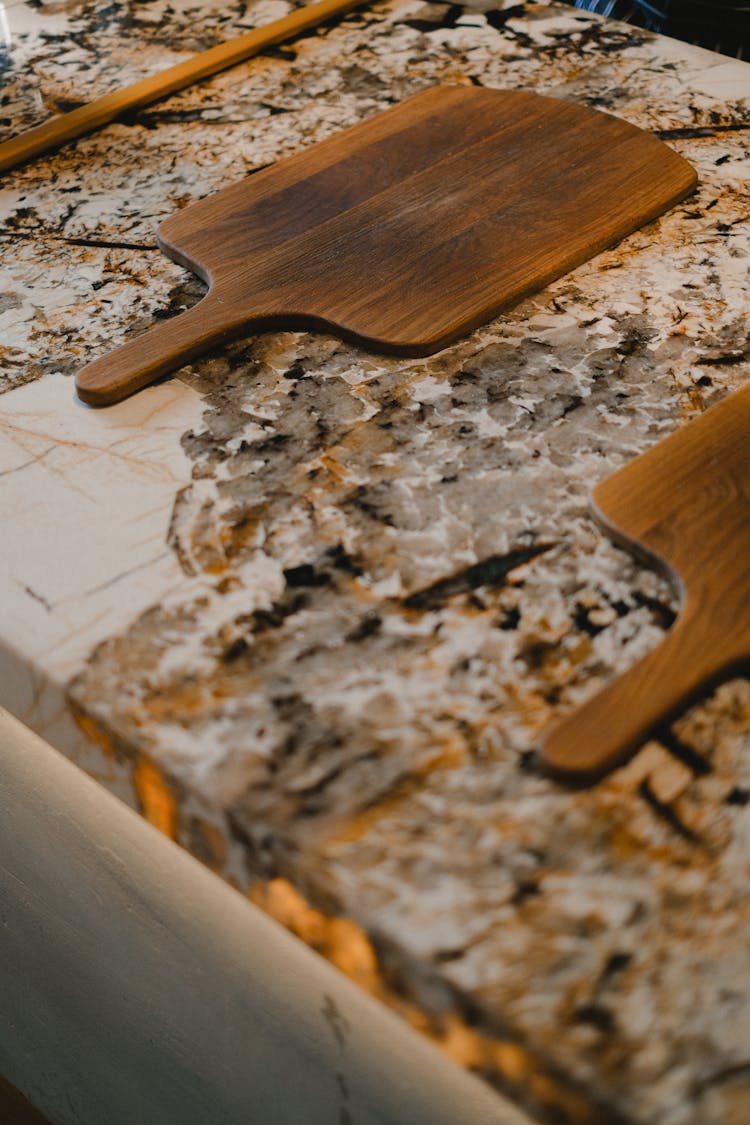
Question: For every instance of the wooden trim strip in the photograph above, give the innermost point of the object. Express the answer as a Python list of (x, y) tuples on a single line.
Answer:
[(15, 1108), (67, 126)]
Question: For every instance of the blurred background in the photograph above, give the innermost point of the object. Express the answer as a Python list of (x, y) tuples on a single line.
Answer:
[(720, 25)]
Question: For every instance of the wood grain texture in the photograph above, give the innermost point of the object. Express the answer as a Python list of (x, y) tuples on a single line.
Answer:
[(684, 506), (408, 230), (67, 126)]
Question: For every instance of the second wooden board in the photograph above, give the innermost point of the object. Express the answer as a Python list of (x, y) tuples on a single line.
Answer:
[(406, 231), (685, 507)]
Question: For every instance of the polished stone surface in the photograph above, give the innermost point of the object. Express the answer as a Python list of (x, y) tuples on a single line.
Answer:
[(311, 608)]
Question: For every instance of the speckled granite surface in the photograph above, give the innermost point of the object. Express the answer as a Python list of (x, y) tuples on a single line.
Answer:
[(311, 608)]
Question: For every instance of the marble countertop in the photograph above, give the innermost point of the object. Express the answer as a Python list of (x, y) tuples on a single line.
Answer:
[(309, 609)]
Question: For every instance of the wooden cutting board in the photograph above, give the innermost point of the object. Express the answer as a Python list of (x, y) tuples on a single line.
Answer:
[(684, 507), (406, 231)]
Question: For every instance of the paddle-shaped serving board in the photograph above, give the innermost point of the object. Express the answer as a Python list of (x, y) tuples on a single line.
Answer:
[(406, 231), (685, 507)]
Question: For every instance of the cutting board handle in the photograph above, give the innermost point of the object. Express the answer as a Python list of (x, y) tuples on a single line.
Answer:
[(602, 733), (170, 344)]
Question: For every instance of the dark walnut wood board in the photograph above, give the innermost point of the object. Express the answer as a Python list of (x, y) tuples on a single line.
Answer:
[(684, 506), (405, 232)]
